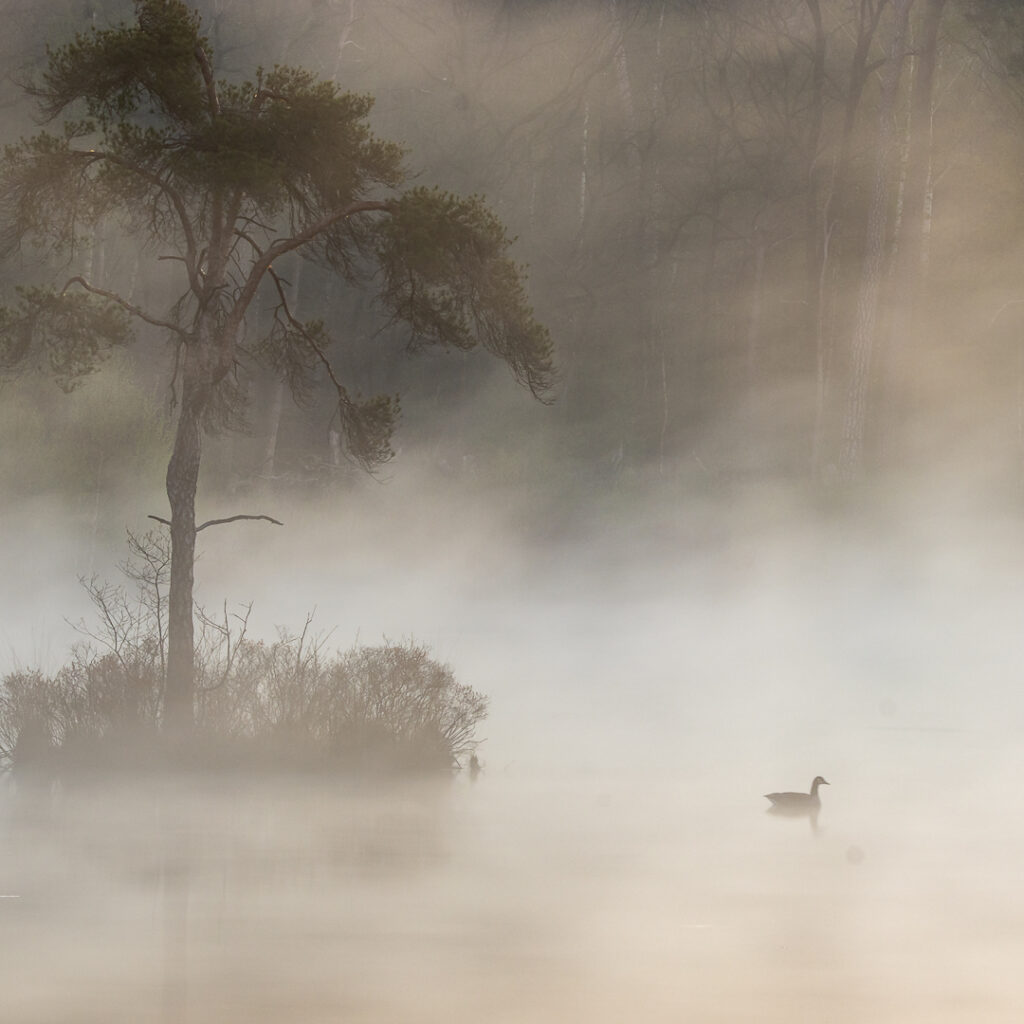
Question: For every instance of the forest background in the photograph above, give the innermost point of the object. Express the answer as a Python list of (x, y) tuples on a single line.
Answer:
[(777, 243)]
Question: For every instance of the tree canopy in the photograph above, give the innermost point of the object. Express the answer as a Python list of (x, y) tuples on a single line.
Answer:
[(222, 179)]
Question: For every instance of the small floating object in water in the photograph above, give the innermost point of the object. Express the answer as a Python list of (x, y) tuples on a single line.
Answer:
[(797, 803)]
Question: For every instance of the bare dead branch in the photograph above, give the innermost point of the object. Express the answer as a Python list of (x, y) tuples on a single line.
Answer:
[(220, 522), (1002, 309), (236, 518), (231, 649)]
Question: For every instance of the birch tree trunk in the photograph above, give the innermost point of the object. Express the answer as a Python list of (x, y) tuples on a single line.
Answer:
[(834, 275), (851, 456), (816, 228), (641, 108), (908, 329), (268, 464)]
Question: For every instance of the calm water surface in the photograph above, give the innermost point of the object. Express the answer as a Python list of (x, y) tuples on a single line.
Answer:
[(587, 896)]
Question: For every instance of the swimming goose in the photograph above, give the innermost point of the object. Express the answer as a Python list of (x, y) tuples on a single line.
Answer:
[(797, 802)]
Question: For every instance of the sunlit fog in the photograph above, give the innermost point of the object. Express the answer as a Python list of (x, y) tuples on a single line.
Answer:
[(566, 568)]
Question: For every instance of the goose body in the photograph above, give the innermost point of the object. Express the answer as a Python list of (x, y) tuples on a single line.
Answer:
[(797, 802)]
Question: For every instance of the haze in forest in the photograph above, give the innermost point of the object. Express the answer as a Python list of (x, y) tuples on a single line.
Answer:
[(769, 528), (694, 204)]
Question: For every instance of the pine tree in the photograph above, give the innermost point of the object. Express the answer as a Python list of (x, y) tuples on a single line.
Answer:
[(224, 179)]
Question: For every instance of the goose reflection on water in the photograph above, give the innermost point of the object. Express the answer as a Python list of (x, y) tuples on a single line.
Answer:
[(798, 805)]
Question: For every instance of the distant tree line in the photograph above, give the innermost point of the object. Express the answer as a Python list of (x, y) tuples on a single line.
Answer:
[(769, 236)]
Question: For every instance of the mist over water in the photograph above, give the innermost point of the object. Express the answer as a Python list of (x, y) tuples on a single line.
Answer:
[(581, 897), (670, 614), (649, 682)]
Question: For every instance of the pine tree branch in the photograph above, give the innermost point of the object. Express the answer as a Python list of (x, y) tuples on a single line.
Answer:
[(126, 306), (368, 436), (286, 245), (301, 329), (176, 200)]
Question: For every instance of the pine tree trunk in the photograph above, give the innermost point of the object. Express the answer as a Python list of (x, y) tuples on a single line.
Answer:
[(182, 481)]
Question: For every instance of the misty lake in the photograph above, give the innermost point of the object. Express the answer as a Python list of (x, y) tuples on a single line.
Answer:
[(763, 259), (584, 896), (615, 860)]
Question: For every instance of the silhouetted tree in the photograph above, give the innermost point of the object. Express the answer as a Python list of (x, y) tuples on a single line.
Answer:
[(224, 179)]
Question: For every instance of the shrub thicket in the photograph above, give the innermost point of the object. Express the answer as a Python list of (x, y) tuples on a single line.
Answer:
[(389, 707)]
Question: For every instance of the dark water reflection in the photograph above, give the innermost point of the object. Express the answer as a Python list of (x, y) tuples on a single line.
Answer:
[(808, 814), (591, 899)]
